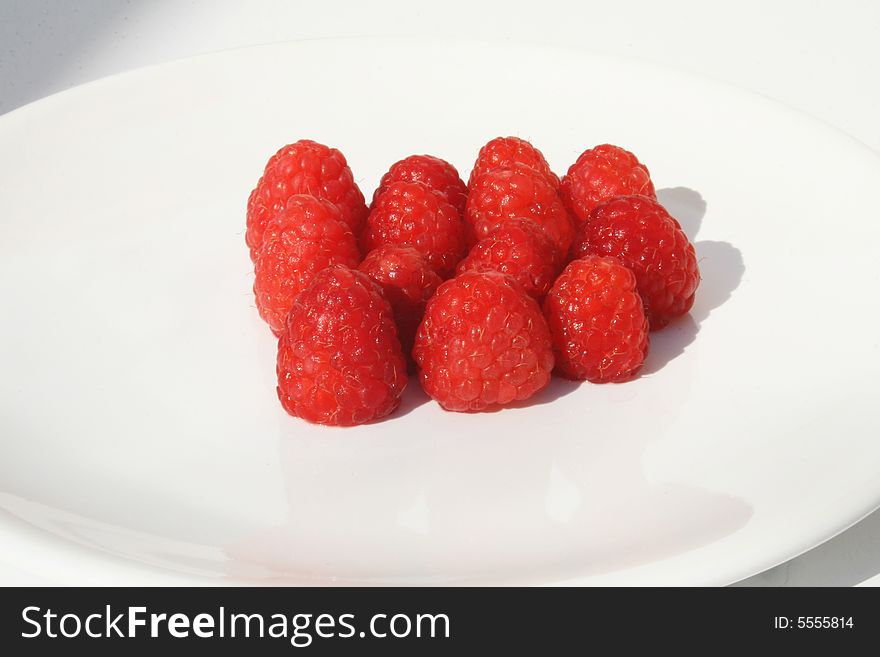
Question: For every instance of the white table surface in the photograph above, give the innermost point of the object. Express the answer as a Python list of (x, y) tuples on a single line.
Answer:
[(821, 58)]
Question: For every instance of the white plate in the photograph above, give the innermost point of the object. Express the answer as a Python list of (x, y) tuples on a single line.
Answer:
[(138, 408)]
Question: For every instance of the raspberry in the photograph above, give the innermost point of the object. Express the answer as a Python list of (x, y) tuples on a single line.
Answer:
[(483, 343), (436, 174), (308, 235), (512, 153), (643, 236), (407, 281), (519, 248), (410, 214), (597, 321), (339, 360), (504, 194), (304, 167), (602, 173)]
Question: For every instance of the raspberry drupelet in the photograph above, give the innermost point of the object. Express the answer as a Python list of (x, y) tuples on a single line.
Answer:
[(512, 153), (642, 235), (505, 194), (436, 174), (407, 282), (597, 321), (304, 167), (521, 249), (483, 343), (602, 173), (339, 360), (410, 214), (308, 235)]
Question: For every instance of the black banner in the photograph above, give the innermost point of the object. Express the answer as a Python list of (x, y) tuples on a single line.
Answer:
[(421, 621)]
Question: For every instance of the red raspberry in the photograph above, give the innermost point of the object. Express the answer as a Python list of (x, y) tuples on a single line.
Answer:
[(643, 236), (407, 281), (512, 153), (308, 235), (437, 174), (597, 321), (519, 248), (410, 214), (483, 343), (517, 194), (339, 360), (304, 167), (601, 173)]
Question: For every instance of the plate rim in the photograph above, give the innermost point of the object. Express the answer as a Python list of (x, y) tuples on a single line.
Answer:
[(726, 576)]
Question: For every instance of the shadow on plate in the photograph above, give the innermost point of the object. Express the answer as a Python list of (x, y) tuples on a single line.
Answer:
[(847, 559), (413, 397), (721, 271), (556, 389), (685, 204)]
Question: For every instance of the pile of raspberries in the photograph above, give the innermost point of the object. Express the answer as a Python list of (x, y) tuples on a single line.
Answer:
[(484, 289)]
